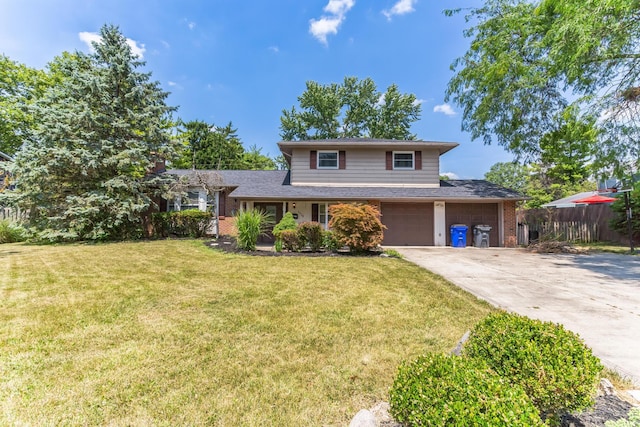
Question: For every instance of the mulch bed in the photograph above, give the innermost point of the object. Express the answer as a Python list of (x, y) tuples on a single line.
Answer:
[(228, 244), (607, 408)]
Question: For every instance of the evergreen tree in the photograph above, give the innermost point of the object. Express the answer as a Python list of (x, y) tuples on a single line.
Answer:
[(84, 171), (207, 146)]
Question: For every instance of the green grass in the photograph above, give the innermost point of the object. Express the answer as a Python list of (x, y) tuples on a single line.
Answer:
[(615, 248), (173, 333)]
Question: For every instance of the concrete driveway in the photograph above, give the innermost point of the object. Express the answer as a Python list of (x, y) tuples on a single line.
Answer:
[(597, 296)]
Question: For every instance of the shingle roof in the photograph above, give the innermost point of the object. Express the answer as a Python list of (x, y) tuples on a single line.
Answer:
[(443, 147), (274, 185)]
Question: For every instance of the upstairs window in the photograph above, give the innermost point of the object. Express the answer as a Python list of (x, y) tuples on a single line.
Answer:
[(327, 160), (403, 160)]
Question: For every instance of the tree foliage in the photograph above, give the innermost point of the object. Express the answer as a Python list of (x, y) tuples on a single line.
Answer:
[(530, 60), (352, 109), (19, 86), (356, 225), (511, 175), (84, 169), (207, 146), (620, 221)]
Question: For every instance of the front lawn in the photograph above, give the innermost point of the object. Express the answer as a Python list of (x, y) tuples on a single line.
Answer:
[(174, 333)]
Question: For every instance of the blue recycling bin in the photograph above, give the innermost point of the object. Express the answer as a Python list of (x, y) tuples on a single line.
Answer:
[(459, 235)]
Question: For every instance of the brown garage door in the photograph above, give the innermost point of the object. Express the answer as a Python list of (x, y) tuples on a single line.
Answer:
[(408, 224), (471, 214)]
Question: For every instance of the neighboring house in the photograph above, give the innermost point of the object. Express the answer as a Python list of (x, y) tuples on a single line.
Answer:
[(4, 176), (570, 201), (401, 178)]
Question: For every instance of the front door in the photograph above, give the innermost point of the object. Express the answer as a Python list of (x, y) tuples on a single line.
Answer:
[(274, 210)]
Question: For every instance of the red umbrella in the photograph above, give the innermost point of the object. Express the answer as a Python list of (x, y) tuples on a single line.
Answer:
[(596, 198)]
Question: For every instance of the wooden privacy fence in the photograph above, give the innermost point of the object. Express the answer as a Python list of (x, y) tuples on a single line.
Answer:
[(11, 214), (570, 231), (579, 224)]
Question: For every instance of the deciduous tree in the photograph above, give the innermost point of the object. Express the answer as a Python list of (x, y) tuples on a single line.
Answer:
[(19, 87), (352, 109), (529, 60)]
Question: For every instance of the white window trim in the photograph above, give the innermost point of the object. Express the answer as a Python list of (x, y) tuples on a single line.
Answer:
[(328, 167), (413, 161)]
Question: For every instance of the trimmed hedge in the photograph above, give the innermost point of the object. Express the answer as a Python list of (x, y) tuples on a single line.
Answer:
[(552, 365), (310, 234), (187, 223), (436, 390)]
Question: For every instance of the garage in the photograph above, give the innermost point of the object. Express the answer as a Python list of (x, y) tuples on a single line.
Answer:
[(408, 224), (472, 214)]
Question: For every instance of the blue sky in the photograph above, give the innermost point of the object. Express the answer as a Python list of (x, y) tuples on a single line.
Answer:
[(246, 61)]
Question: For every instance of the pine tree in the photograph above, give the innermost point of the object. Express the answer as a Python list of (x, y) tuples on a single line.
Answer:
[(84, 172)]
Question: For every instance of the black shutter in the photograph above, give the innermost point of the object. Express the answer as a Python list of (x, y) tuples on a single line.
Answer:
[(314, 212), (342, 160)]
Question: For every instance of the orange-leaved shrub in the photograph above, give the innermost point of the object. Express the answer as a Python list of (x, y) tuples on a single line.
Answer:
[(356, 225)]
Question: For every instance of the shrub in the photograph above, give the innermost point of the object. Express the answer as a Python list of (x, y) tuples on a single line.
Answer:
[(251, 224), (437, 390), (356, 225), (552, 365), (329, 241), (310, 234), (11, 232), (289, 240), (187, 223), (286, 223), (633, 420)]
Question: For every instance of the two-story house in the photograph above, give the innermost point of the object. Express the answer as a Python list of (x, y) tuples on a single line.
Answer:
[(401, 178)]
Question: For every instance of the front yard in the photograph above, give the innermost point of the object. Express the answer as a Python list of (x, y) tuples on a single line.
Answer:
[(174, 333)]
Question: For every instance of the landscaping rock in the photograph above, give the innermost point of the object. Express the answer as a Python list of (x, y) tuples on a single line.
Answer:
[(457, 351), (364, 418), (608, 408)]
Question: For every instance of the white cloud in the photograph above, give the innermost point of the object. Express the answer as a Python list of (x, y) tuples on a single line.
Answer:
[(191, 25), (170, 83), (450, 175), (339, 7), (137, 49), (165, 44), (445, 109), (419, 102), (402, 7), (329, 24), (274, 49)]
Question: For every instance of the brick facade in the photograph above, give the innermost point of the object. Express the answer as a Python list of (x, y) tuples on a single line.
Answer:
[(228, 207), (510, 225)]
